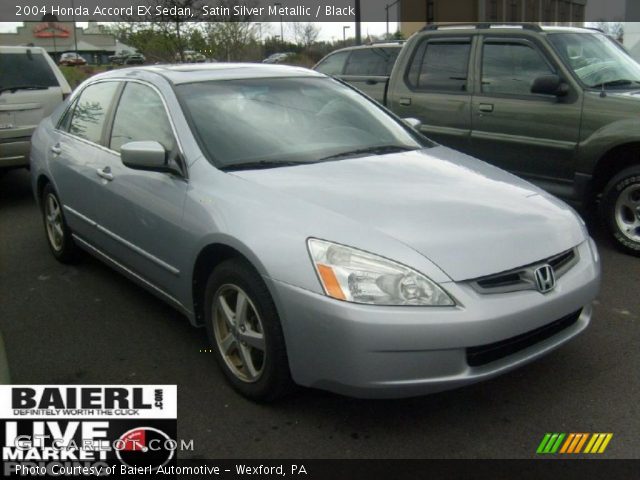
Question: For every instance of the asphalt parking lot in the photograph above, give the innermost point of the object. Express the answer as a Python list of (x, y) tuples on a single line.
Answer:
[(86, 324)]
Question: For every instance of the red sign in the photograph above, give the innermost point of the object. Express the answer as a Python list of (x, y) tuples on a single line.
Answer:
[(51, 30)]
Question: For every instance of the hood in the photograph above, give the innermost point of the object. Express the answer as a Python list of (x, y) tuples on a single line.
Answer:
[(469, 218)]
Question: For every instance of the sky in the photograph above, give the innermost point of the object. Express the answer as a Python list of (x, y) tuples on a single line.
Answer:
[(328, 30)]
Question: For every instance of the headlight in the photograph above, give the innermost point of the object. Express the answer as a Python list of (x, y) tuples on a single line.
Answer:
[(356, 276)]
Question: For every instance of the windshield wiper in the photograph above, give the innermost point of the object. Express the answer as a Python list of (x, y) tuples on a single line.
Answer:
[(14, 88), (375, 150), (261, 164), (622, 82)]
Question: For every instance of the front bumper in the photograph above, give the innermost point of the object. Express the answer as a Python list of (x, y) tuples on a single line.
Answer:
[(386, 352)]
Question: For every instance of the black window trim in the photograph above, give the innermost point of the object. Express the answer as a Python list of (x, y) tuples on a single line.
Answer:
[(522, 40), (441, 39)]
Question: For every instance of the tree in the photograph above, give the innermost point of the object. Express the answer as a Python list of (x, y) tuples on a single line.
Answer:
[(612, 29), (305, 33), (233, 37), (174, 23)]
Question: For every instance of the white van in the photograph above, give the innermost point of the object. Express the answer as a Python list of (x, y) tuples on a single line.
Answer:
[(31, 86)]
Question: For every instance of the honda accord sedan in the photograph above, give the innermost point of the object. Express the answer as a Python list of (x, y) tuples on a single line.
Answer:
[(321, 240)]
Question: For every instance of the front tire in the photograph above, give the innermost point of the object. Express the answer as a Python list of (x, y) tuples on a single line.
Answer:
[(57, 232), (621, 209), (244, 329)]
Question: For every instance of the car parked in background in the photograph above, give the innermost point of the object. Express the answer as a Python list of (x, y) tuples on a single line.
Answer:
[(278, 57), (127, 57), (366, 67), (319, 239), (31, 86), (558, 106), (191, 56), (71, 59)]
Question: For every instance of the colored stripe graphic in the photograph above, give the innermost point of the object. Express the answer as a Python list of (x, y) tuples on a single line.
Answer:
[(573, 443), (598, 443), (550, 443)]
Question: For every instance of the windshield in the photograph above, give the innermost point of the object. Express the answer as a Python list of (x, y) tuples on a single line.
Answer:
[(597, 60), (280, 121)]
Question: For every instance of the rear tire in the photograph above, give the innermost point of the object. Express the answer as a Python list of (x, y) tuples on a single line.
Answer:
[(245, 331), (56, 229), (620, 210)]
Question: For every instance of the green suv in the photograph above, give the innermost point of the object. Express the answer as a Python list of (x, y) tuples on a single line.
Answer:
[(559, 106)]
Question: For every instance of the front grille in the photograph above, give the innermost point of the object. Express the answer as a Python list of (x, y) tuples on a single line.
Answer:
[(563, 260), (523, 278), (483, 354)]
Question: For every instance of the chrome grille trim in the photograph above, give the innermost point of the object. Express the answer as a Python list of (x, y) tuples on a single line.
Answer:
[(522, 278)]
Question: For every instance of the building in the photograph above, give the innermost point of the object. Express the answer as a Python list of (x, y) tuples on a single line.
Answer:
[(93, 43), (414, 14)]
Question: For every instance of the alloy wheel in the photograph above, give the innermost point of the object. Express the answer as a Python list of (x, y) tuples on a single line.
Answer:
[(627, 212), (239, 333), (53, 221)]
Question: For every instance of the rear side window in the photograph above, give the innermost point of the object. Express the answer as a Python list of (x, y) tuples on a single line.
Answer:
[(24, 69), (371, 61), (333, 64), (440, 66), (510, 68), (90, 111), (141, 116)]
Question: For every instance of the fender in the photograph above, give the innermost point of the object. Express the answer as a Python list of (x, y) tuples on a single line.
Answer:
[(610, 136)]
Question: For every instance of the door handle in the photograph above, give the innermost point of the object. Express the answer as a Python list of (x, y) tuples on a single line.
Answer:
[(372, 82), (485, 107), (56, 150), (105, 173), (406, 101)]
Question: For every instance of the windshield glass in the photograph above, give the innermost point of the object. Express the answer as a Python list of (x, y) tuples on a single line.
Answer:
[(597, 60), (280, 121)]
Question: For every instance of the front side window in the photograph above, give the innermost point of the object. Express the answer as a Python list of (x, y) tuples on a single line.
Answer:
[(597, 60), (141, 116), (90, 111), (333, 64), (440, 66), (280, 121), (511, 67), (370, 61)]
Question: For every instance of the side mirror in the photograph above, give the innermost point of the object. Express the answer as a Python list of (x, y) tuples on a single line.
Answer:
[(413, 123), (145, 156), (550, 85)]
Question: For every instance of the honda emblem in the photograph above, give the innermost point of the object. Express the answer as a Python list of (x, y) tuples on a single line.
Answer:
[(545, 278)]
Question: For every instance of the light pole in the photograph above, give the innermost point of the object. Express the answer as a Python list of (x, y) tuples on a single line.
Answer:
[(278, 4), (75, 34), (387, 7), (344, 34), (358, 23)]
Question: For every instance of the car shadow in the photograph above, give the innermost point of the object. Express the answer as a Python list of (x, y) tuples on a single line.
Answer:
[(15, 188)]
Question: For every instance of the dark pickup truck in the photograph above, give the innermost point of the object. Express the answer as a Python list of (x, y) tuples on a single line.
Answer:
[(558, 106)]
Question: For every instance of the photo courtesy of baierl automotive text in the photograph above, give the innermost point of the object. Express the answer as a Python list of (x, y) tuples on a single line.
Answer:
[(322, 239)]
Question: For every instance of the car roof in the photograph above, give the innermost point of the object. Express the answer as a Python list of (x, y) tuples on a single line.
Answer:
[(505, 26), (202, 72), (20, 49), (398, 45)]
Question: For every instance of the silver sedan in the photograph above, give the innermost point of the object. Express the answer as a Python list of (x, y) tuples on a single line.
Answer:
[(321, 240)]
